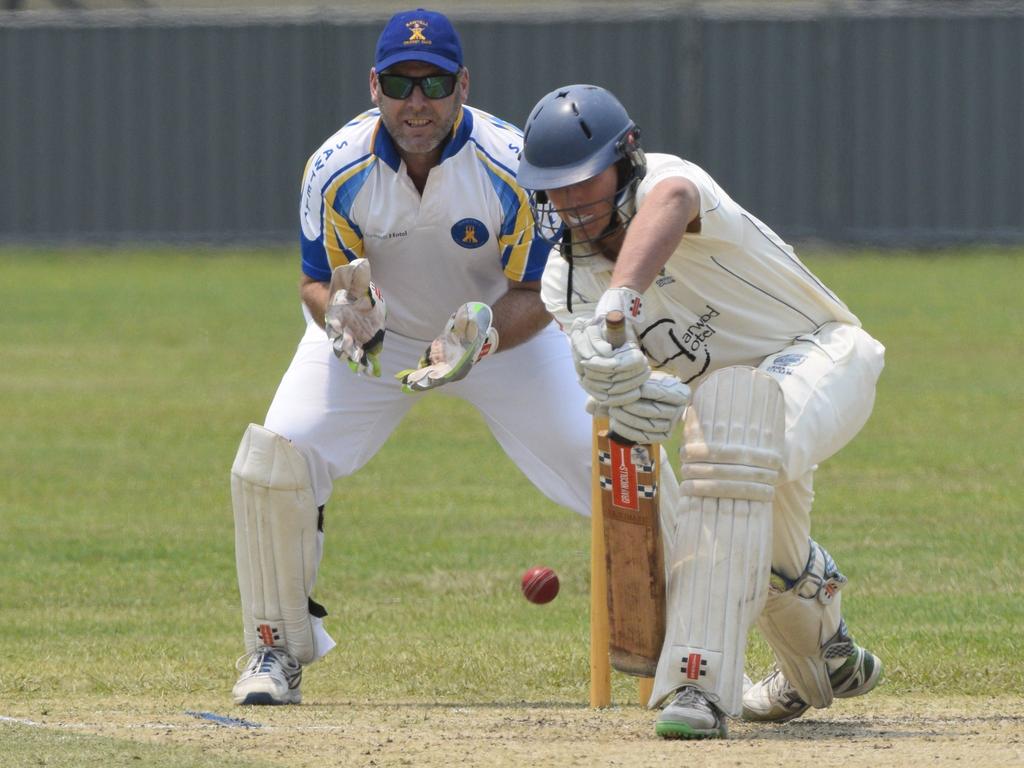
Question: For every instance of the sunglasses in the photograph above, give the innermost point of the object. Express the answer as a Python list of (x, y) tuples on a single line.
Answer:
[(432, 86)]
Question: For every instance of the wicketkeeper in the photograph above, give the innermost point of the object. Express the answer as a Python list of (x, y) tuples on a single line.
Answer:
[(782, 376), (421, 270)]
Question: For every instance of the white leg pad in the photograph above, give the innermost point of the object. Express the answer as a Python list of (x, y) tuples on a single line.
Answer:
[(668, 507), (277, 544), (802, 622), (720, 559)]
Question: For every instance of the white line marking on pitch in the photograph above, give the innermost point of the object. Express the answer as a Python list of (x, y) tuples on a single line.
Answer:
[(19, 721), (86, 726)]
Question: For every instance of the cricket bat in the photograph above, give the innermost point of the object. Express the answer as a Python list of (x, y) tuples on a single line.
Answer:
[(634, 557)]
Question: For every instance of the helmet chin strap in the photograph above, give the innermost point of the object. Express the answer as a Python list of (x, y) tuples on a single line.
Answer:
[(566, 251)]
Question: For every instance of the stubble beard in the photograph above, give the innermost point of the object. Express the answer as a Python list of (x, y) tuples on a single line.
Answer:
[(422, 145)]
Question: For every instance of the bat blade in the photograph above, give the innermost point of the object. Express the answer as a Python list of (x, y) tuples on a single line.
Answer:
[(634, 557)]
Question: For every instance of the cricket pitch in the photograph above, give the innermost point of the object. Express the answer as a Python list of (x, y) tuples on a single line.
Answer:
[(869, 732)]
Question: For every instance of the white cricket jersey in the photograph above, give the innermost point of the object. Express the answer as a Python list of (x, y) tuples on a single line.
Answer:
[(731, 294), (470, 230)]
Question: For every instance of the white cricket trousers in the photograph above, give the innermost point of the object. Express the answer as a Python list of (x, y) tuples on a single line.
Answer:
[(828, 380), (528, 396)]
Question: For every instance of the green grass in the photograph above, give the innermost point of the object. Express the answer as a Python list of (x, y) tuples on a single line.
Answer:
[(923, 509), (127, 378)]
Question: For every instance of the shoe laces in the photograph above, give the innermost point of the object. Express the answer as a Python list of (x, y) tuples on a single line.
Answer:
[(694, 698), (779, 689), (262, 660)]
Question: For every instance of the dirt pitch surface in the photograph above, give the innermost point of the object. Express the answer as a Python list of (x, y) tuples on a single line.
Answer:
[(876, 731)]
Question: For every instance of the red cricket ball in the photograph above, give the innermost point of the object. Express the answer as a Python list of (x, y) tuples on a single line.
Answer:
[(540, 584)]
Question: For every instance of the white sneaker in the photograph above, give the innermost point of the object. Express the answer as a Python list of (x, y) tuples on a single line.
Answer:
[(774, 700), (271, 676), (690, 715)]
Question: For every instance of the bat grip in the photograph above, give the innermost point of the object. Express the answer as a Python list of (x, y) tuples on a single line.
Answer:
[(615, 333), (615, 328)]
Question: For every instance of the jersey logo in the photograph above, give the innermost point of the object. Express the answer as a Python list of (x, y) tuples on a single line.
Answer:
[(784, 364), (470, 233), (664, 342)]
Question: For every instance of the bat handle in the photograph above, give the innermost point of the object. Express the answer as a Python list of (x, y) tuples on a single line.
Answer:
[(615, 333), (615, 328)]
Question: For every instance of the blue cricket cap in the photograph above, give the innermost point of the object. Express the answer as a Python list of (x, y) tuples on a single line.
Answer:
[(419, 35)]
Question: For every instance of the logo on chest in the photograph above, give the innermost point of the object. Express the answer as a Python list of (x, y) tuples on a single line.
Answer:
[(666, 342), (470, 233)]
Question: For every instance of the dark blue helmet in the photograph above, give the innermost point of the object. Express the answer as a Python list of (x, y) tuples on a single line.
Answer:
[(572, 135)]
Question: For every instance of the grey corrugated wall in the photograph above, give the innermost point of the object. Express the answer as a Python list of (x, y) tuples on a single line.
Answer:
[(854, 122)]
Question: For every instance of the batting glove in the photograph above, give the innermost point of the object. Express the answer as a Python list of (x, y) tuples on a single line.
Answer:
[(652, 417), (612, 376), (467, 338), (627, 301), (355, 317)]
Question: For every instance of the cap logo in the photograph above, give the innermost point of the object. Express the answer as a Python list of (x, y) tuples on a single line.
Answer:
[(416, 27)]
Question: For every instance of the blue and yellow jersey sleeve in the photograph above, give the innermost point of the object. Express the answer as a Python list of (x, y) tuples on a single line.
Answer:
[(342, 238), (314, 257), (333, 177), (523, 252)]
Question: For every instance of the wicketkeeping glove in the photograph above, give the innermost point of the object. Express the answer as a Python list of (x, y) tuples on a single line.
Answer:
[(612, 376), (355, 317), (652, 417), (467, 338)]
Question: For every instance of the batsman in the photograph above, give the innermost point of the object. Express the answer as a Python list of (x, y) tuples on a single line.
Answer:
[(782, 376)]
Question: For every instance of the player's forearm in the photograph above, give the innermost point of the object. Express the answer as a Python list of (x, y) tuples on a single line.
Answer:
[(519, 314), (315, 296), (655, 233)]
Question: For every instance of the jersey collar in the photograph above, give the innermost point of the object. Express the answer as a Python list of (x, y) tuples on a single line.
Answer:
[(460, 134), (384, 146)]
